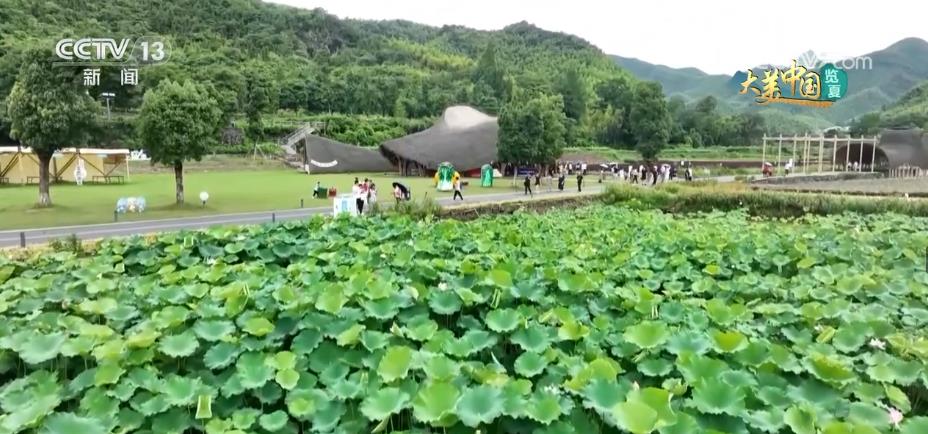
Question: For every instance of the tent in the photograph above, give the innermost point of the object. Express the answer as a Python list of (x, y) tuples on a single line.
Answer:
[(101, 165), (463, 136), (322, 155), (21, 166), (18, 165)]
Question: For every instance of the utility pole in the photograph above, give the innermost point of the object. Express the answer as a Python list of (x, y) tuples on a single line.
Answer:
[(108, 96)]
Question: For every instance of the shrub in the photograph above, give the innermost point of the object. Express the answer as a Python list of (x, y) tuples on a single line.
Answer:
[(761, 203)]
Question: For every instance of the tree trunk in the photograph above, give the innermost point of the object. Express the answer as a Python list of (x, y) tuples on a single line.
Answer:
[(45, 198), (179, 181)]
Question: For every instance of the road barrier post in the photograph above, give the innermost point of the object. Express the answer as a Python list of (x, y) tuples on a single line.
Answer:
[(301, 203), (22, 239), (273, 217), (115, 216)]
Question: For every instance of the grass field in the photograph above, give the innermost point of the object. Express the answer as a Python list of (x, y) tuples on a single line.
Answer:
[(229, 191)]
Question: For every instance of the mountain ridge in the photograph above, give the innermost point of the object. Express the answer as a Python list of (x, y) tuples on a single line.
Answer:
[(896, 70)]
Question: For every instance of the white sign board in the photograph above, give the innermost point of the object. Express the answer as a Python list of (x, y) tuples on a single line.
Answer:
[(344, 204)]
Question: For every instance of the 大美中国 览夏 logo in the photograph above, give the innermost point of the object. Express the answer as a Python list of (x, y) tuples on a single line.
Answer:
[(112, 51), (797, 84)]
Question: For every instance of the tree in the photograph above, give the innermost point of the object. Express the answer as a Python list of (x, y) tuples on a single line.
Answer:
[(607, 126), (573, 90), (532, 132), (258, 97), (707, 105), (489, 72), (866, 125), (649, 119), (178, 122), (484, 98), (615, 92), (751, 128), (49, 109)]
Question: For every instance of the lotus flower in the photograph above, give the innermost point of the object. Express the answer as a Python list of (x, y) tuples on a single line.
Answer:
[(895, 417), (442, 286), (876, 343)]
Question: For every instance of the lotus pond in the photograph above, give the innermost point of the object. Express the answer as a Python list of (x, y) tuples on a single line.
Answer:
[(597, 320)]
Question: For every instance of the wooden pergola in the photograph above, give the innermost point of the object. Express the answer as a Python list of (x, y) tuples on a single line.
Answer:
[(809, 153)]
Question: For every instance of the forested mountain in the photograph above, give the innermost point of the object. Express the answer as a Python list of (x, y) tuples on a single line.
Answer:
[(370, 80), (909, 111), (895, 70), (310, 61)]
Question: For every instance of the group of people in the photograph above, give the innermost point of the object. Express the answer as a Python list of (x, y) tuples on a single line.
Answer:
[(649, 174), (365, 194), (573, 167), (561, 180), (856, 167)]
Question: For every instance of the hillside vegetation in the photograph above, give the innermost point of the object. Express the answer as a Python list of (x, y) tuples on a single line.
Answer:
[(312, 62), (273, 67)]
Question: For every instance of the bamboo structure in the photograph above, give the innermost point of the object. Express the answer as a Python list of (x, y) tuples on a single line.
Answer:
[(808, 156)]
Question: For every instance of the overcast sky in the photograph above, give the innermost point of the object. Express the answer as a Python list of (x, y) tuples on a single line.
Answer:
[(717, 36)]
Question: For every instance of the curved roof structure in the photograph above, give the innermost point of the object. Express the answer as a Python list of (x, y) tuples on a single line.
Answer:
[(896, 147), (463, 136), (328, 156), (905, 147)]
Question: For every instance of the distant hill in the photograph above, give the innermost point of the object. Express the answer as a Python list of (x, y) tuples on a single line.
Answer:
[(690, 83), (896, 69), (909, 111)]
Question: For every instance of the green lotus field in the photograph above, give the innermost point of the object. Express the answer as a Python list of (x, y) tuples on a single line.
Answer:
[(597, 320)]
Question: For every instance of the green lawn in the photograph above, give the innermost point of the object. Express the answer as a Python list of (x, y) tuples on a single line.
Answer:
[(229, 191)]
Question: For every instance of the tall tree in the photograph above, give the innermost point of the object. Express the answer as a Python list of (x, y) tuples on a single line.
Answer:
[(573, 90), (258, 97), (488, 71), (616, 93), (49, 109), (650, 120), (532, 132), (751, 128), (178, 122)]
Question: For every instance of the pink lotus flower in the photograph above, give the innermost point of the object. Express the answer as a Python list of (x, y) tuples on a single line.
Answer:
[(876, 343), (895, 417)]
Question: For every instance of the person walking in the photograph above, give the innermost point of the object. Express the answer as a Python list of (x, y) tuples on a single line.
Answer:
[(358, 198), (561, 178), (457, 190), (580, 182), (371, 196), (528, 185)]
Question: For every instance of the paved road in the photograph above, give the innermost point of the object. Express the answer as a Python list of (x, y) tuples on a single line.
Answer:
[(89, 232)]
